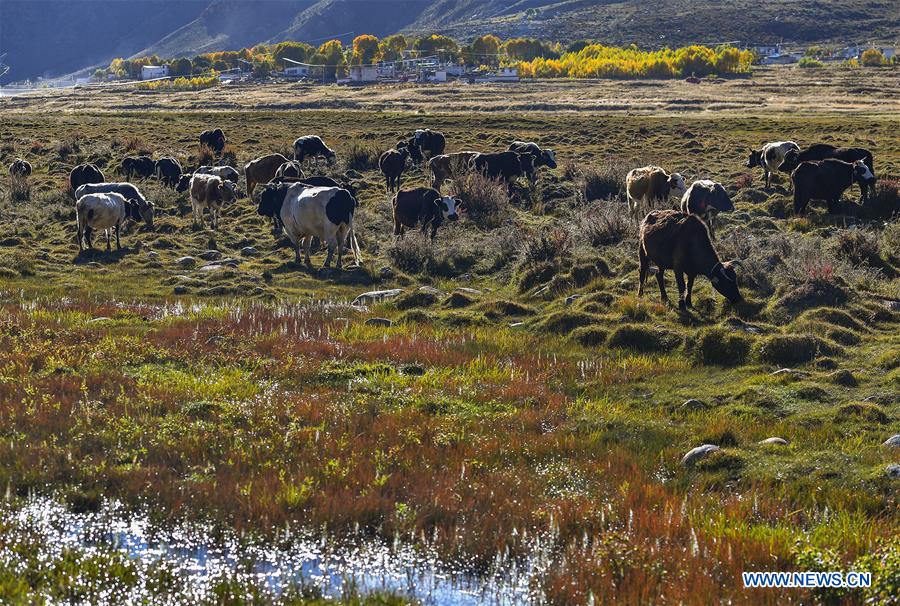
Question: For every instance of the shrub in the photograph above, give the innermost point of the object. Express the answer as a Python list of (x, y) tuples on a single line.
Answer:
[(19, 188), (719, 347), (809, 62), (417, 298), (885, 203), (361, 155), (545, 245), (590, 336), (485, 200), (872, 58), (604, 224), (858, 246), (643, 339), (411, 254), (866, 411), (793, 349), (604, 182), (196, 83)]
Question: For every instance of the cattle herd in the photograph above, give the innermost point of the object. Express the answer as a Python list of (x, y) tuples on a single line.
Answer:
[(306, 207)]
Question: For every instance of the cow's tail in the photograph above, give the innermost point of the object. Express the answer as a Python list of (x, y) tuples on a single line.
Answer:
[(354, 244)]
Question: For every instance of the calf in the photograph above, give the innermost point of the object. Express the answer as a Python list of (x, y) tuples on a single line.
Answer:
[(307, 212), (445, 166), (648, 185), (209, 192), (126, 190), (20, 168), (824, 151), (108, 211), (706, 199), (213, 139), (141, 167), (680, 242), (771, 156), (827, 180), (423, 206), (226, 173), (542, 157), (415, 152), (84, 173), (392, 164), (507, 166), (262, 170), (312, 146), (431, 142), (290, 169), (168, 171)]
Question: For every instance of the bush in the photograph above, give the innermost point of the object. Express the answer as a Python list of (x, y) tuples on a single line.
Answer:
[(485, 200), (858, 246), (866, 411), (604, 182), (545, 245), (19, 188), (807, 62), (604, 224), (872, 58), (719, 347), (589, 336), (643, 339), (885, 204), (784, 350), (197, 83), (361, 155), (417, 298), (411, 254)]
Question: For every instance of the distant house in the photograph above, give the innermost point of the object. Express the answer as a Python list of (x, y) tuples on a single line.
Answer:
[(151, 72), (296, 71), (505, 74), (766, 50), (887, 51), (363, 73), (780, 59)]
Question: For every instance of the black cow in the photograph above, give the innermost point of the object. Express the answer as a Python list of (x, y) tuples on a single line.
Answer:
[(213, 139), (20, 168), (392, 164), (312, 146), (507, 166), (85, 173), (706, 199), (827, 180), (423, 206), (824, 151), (141, 167), (542, 157), (415, 152), (168, 170), (431, 142)]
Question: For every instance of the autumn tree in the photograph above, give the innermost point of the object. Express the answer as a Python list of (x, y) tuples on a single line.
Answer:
[(484, 50), (296, 51), (437, 44), (365, 50), (392, 47), (331, 56), (180, 67)]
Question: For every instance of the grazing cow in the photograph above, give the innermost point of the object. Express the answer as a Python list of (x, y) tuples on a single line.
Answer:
[(415, 152), (307, 212), (392, 164), (168, 170), (507, 166), (85, 173), (542, 157), (423, 206), (445, 166), (290, 169), (226, 173), (262, 170), (648, 185), (431, 142), (827, 180), (209, 192), (770, 157), (312, 146), (127, 190), (675, 240), (108, 211), (142, 167), (20, 168), (213, 139), (706, 199), (824, 151)]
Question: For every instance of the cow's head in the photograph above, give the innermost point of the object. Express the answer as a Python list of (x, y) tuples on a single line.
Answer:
[(449, 207), (676, 184), (548, 157), (184, 182), (755, 159), (862, 174), (140, 210), (790, 162), (526, 161), (227, 191), (724, 280), (270, 201)]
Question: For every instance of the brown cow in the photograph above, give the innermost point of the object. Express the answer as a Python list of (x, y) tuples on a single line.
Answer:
[(262, 170)]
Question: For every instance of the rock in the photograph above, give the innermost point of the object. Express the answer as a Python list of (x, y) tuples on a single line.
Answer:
[(431, 290), (739, 324), (373, 296), (571, 299), (385, 273), (892, 471), (789, 373), (843, 377), (695, 454), (464, 277), (181, 289), (893, 441), (98, 320), (186, 262), (210, 255), (775, 441), (468, 291), (249, 251), (213, 267), (693, 405), (379, 322), (516, 324), (152, 254)]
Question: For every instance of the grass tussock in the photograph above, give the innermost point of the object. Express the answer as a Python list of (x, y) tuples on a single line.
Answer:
[(486, 200)]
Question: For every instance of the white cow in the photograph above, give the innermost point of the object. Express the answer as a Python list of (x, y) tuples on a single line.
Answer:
[(108, 211), (770, 157), (210, 192), (650, 184), (226, 173)]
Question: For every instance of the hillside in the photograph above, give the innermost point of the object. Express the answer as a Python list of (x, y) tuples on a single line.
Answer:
[(89, 33)]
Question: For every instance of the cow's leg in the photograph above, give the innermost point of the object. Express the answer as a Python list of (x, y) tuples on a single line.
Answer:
[(88, 232), (330, 244), (434, 229), (662, 284), (679, 280), (766, 174), (108, 247), (118, 244), (80, 238), (645, 267), (307, 241), (342, 237), (690, 288)]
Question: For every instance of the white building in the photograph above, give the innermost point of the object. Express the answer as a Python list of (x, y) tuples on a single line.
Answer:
[(506, 74), (363, 73), (151, 72), (296, 71)]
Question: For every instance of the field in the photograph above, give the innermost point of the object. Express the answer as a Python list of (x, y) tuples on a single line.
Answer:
[(517, 407)]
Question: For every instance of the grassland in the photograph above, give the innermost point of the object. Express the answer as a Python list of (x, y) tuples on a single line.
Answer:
[(546, 402)]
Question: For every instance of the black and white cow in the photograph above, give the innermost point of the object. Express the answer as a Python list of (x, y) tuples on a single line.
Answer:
[(542, 157), (423, 206), (312, 147)]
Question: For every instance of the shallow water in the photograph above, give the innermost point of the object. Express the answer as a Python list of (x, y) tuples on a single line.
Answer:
[(295, 558)]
